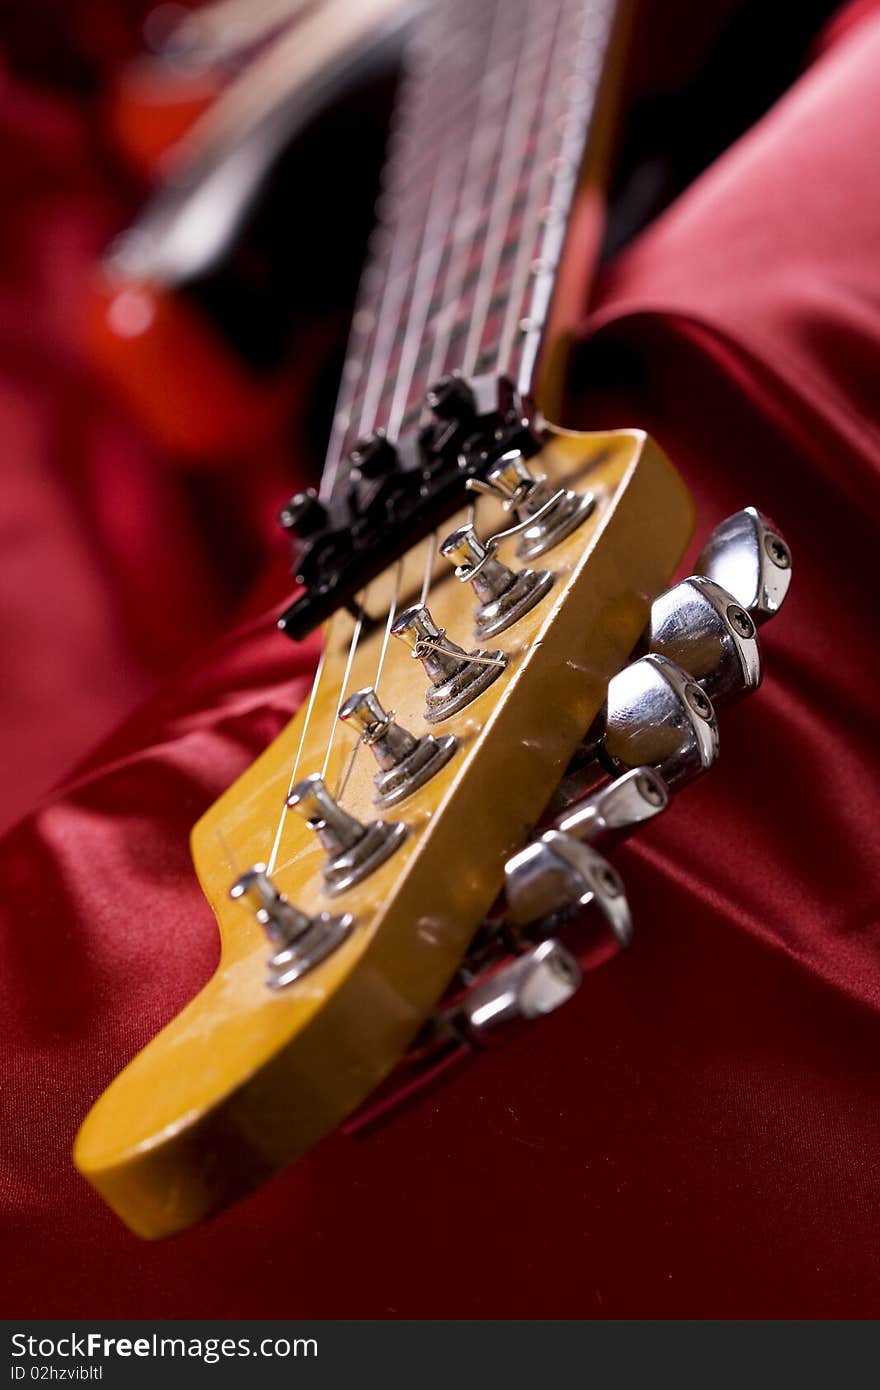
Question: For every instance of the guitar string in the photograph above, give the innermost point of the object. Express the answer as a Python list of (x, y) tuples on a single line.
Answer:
[(319, 671), (445, 316), (355, 639), (365, 321), (464, 235), (372, 403), (442, 341), (424, 266), (497, 231), (590, 25), (392, 613), (597, 22), (479, 162), (364, 417), (424, 283), (429, 566), (398, 281), (273, 858), (446, 245), (429, 558), (535, 199)]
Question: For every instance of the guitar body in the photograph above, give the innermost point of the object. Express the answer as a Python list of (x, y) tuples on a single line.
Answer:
[(247, 1078)]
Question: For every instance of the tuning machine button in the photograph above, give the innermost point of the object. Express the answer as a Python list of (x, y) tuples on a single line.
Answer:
[(747, 556), (551, 513), (353, 850), (703, 628), (655, 715), (456, 677), (405, 762), (616, 808), (530, 986), (504, 595), (556, 874), (299, 942)]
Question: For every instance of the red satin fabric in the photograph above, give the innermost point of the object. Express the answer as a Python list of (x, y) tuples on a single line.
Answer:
[(698, 1132)]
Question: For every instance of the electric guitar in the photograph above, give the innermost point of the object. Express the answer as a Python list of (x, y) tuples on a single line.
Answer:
[(507, 684)]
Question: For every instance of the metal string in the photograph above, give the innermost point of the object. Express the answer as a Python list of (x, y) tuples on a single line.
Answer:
[(355, 638), (392, 614), (479, 145), (538, 179), (419, 279), (429, 566), (375, 328), (270, 864), (480, 156), (513, 148)]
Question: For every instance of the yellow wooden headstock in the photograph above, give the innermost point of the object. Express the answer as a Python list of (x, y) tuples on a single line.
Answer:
[(248, 1077)]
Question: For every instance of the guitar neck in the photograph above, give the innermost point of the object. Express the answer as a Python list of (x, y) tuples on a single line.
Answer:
[(498, 118)]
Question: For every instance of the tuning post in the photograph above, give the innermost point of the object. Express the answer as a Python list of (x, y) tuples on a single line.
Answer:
[(551, 514), (504, 595), (747, 555), (374, 456), (298, 942), (354, 850), (456, 677), (303, 515), (405, 762)]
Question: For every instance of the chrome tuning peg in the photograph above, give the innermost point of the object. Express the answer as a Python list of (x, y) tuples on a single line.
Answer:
[(708, 633), (504, 595), (530, 986), (405, 762), (299, 942), (615, 809), (557, 873), (552, 513), (456, 677), (655, 716), (747, 556), (354, 850)]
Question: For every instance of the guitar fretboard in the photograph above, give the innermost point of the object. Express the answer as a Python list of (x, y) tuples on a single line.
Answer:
[(483, 163)]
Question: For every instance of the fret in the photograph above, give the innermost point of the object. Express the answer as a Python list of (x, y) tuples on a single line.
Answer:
[(482, 169)]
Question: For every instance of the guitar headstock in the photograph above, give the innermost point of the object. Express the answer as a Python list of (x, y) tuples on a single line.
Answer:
[(338, 951)]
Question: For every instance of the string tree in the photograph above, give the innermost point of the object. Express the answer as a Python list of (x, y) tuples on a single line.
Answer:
[(354, 850), (405, 762), (504, 595), (456, 677)]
